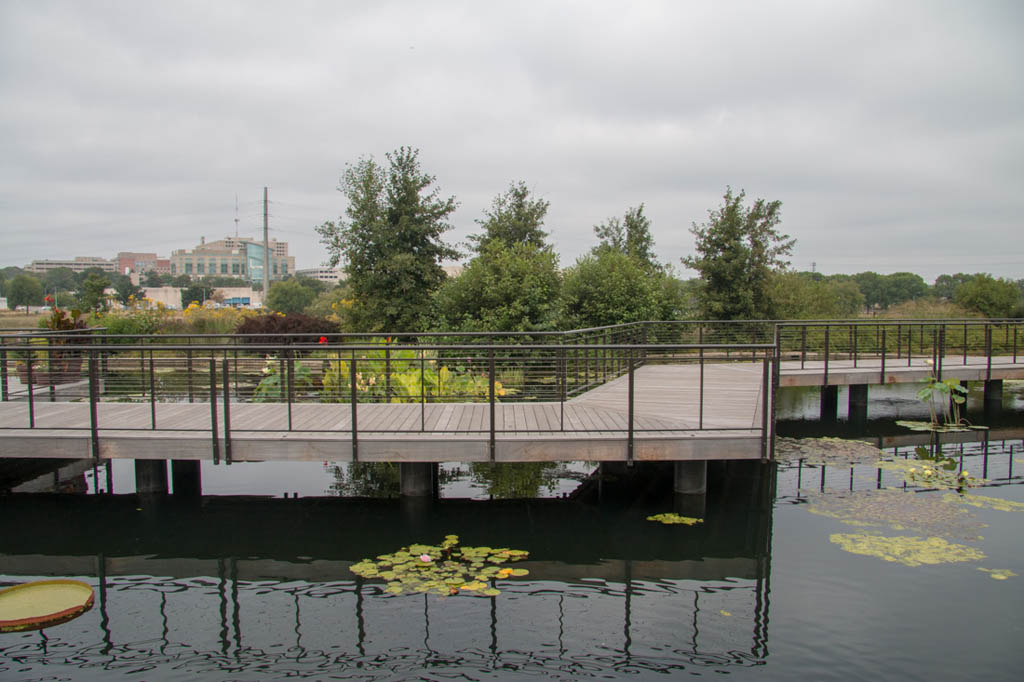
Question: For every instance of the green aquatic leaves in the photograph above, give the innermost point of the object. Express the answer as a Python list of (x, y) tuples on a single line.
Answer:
[(906, 550), (983, 502), (672, 519), (939, 428), (827, 451), (445, 569), (998, 573)]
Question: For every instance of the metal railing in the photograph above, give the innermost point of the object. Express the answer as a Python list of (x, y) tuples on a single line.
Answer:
[(223, 372), (943, 344), (431, 369)]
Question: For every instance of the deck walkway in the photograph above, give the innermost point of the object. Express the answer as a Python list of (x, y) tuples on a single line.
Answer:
[(594, 426), (679, 414)]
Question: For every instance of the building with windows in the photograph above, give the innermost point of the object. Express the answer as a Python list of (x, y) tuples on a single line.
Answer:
[(129, 262), (77, 264), (240, 257), (331, 276)]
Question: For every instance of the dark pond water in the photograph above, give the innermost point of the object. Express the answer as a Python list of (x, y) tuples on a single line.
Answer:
[(247, 585)]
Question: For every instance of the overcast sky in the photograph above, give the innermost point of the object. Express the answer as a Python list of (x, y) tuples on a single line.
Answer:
[(892, 132)]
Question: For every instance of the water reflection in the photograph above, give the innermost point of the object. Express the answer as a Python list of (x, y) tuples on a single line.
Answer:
[(260, 588)]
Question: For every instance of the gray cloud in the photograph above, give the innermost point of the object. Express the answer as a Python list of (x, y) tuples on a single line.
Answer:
[(892, 133)]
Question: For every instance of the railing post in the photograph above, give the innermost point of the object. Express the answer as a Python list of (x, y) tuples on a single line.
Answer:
[(883, 356), (490, 395), (213, 410), (988, 352), (49, 368), (803, 345), (227, 410), (629, 441), (824, 380), (4, 394), (355, 429), (561, 390), (94, 397), (965, 343), (152, 393), (765, 399), (290, 385), (853, 333), (31, 391), (776, 372), (387, 370), (423, 390), (188, 370), (941, 351), (935, 359), (899, 341)]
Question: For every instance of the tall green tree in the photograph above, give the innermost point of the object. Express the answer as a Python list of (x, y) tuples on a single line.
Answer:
[(390, 241), (24, 289), (507, 287), (631, 235), (737, 251), (124, 289), (806, 295), (60, 279), (515, 217), (989, 296), (608, 287), (92, 293), (289, 296)]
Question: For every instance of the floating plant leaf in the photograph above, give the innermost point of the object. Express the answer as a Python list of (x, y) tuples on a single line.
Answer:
[(931, 474), (445, 569), (910, 551), (998, 573), (938, 428), (983, 502), (670, 519), (897, 510), (828, 451)]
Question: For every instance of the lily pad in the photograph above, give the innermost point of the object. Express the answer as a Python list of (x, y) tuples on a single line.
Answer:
[(998, 573), (938, 428), (449, 568), (672, 519), (906, 550)]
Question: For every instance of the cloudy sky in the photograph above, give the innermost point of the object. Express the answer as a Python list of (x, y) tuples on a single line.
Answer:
[(892, 132)]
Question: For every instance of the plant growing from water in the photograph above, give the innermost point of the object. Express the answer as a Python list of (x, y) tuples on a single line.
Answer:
[(669, 518), (944, 398), (445, 569)]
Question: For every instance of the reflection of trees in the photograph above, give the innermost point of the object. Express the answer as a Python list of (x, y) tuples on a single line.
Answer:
[(366, 479), (507, 480)]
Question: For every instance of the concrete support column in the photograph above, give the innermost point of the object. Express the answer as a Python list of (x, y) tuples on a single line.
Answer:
[(417, 479), (690, 478), (151, 476), (993, 395), (186, 478), (829, 403), (857, 407)]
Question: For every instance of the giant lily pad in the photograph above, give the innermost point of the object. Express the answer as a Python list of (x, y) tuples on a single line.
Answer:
[(43, 603)]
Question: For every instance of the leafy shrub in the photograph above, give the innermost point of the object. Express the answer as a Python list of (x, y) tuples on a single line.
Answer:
[(296, 327)]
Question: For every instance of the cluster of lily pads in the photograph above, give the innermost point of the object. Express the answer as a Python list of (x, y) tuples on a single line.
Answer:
[(669, 518), (445, 569)]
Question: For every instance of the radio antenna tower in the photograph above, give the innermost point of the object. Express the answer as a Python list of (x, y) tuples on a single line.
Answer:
[(236, 216)]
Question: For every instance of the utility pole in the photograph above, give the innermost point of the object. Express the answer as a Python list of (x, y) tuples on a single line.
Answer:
[(266, 251)]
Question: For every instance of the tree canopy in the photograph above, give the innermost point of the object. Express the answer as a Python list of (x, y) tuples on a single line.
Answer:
[(514, 218), (737, 251), (508, 287), (631, 235), (390, 241)]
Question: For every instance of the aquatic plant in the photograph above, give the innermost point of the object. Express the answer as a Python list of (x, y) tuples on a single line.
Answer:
[(827, 451), (932, 472), (998, 573), (906, 550), (445, 569), (983, 502), (899, 511), (672, 519)]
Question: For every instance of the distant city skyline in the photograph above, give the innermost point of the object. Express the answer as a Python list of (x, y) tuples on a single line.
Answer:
[(892, 133)]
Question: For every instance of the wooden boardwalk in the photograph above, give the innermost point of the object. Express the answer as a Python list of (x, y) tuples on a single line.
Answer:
[(680, 413), (592, 427)]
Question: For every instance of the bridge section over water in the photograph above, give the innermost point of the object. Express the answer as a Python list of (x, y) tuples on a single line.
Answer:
[(677, 391)]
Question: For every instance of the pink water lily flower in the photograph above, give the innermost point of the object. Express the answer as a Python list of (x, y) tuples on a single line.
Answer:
[(425, 558)]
